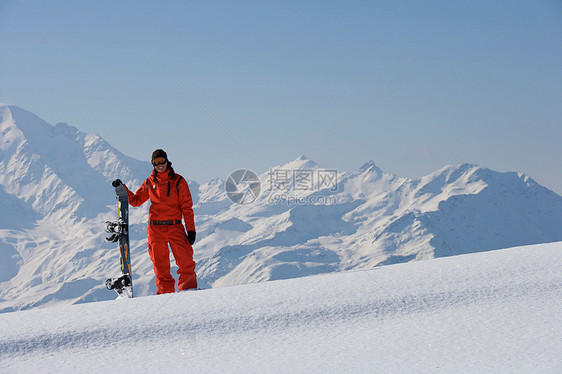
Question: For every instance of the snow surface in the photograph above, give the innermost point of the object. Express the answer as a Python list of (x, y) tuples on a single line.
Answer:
[(490, 312)]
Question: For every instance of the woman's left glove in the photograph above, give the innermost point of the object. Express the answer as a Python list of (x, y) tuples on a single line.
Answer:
[(191, 237)]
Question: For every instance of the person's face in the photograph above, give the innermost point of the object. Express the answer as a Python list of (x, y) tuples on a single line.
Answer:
[(160, 164)]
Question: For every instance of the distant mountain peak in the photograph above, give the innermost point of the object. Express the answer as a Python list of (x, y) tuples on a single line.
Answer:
[(370, 166), (74, 167), (301, 163)]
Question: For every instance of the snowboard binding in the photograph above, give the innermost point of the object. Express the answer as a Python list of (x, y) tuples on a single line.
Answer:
[(116, 228), (122, 285)]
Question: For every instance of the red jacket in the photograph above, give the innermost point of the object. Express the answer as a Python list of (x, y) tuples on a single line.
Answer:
[(170, 199)]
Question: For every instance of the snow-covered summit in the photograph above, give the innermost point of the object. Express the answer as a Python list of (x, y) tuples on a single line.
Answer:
[(59, 171), (370, 167), (300, 163)]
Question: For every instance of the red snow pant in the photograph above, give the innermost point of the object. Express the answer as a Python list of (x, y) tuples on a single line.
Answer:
[(159, 237)]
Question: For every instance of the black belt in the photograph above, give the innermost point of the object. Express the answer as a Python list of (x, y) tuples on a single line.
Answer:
[(170, 222)]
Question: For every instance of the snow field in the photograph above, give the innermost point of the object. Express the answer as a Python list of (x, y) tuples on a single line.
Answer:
[(494, 312)]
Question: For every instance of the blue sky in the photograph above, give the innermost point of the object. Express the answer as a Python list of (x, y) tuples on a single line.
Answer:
[(411, 85)]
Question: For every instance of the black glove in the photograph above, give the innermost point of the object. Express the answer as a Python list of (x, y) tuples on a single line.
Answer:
[(191, 237), (116, 183)]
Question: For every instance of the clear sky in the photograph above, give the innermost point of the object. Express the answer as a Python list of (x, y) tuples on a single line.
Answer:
[(221, 85)]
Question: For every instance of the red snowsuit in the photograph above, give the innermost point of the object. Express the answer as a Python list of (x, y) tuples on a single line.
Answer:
[(170, 200)]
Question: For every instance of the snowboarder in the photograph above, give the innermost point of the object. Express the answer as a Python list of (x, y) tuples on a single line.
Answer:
[(170, 201)]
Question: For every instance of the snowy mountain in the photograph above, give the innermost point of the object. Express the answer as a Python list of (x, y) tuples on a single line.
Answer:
[(370, 218), (492, 312), (55, 194), (59, 171)]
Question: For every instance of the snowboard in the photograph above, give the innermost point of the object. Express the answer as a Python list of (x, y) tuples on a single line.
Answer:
[(123, 284)]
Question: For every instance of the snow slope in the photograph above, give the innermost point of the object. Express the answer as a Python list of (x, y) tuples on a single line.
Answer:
[(55, 195), (492, 312)]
